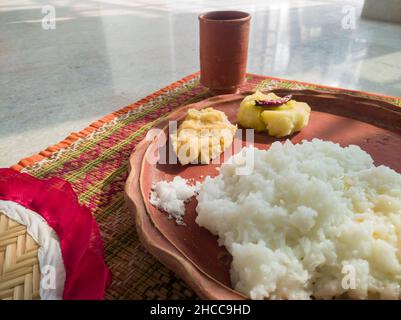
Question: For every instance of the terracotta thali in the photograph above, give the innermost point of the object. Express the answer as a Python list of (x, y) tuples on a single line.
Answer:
[(191, 251)]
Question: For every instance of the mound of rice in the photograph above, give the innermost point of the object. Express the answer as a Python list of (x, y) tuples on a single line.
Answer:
[(171, 197), (311, 220)]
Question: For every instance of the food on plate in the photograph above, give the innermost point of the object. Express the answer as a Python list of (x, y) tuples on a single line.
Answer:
[(311, 220), (268, 112), (172, 196), (202, 136)]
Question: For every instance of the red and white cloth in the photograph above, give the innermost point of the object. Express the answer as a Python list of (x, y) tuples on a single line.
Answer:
[(68, 235)]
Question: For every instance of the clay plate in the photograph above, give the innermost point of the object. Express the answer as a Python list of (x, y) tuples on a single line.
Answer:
[(191, 251)]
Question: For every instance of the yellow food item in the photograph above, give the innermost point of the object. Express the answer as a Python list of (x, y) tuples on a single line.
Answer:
[(202, 136), (278, 121)]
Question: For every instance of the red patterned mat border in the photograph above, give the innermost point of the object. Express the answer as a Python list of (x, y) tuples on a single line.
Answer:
[(73, 137)]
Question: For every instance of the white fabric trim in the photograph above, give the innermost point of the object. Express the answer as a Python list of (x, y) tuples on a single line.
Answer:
[(49, 253)]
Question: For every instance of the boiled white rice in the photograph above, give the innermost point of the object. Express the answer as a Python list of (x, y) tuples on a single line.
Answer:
[(312, 219)]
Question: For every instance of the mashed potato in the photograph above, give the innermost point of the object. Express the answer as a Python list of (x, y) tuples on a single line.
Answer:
[(312, 219), (202, 136)]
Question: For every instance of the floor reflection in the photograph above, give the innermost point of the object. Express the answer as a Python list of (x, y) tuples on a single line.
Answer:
[(107, 53)]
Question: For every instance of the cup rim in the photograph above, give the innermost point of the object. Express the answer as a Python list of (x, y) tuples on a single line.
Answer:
[(203, 16)]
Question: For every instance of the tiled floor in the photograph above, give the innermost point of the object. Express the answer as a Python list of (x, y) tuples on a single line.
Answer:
[(105, 54)]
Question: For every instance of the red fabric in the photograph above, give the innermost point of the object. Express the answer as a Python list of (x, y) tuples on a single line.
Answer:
[(87, 275)]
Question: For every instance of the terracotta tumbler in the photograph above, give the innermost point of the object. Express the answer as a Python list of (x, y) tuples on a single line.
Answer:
[(223, 50)]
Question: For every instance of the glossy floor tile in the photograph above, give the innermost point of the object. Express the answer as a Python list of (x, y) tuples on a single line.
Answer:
[(105, 54)]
